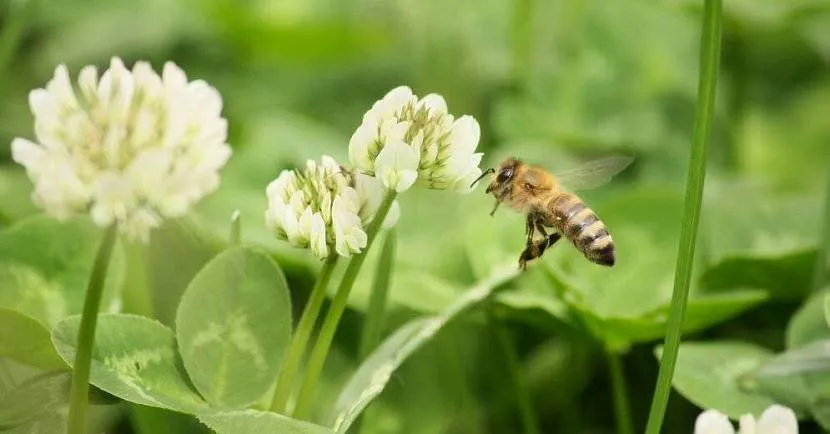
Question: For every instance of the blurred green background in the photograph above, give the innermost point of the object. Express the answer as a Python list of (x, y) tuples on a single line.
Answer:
[(552, 81)]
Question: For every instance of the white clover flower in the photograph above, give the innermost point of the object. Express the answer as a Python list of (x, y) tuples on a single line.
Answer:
[(776, 419), (131, 148), (403, 140), (325, 206)]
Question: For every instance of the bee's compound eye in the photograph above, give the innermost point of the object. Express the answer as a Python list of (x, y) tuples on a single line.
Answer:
[(505, 175)]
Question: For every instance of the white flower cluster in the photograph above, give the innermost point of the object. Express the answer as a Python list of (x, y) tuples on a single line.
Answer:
[(131, 148), (776, 419), (403, 140), (325, 206)]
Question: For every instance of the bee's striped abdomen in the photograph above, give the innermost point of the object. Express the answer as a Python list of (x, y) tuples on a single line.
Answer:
[(581, 225)]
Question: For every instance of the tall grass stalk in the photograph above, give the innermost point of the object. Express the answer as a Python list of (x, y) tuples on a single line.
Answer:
[(79, 392), (317, 360), (710, 45), (820, 271), (373, 327)]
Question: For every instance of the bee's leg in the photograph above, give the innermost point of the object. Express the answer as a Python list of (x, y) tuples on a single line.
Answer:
[(537, 249), (530, 226)]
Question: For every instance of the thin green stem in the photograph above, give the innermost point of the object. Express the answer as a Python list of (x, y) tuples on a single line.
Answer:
[(236, 228), (20, 12), (79, 398), (321, 348), (622, 409), (820, 271), (523, 402), (522, 39), (707, 85), (377, 302), (299, 343)]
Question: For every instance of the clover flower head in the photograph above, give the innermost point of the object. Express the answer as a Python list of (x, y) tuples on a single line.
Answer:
[(403, 140), (324, 207), (130, 147), (776, 419)]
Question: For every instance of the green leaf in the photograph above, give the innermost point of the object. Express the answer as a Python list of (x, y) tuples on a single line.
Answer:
[(34, 397), (26, 340), (134, 358), (45, 265), (541, 292), (786, 276), (375, 372), (809, 323), (257, 422), (233, 327), (713, 375), (176, 253), (38, 396), (798, 377)]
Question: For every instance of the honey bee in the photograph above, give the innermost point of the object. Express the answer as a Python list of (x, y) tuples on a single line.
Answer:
[(546, 200)]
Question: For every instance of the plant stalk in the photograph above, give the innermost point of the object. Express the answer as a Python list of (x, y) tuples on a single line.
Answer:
[(79, 393), (321, 348), (710, 46), (622, 409), (299, 342), (522, 39), (377, 302), (523, 401)]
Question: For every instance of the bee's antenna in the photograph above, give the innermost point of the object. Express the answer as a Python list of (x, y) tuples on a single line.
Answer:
[(486, 172)]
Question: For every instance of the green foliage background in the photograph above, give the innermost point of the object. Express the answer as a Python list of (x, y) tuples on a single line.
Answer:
[(554, 82)]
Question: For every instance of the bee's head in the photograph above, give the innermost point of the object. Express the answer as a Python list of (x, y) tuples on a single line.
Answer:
[(501, 176)]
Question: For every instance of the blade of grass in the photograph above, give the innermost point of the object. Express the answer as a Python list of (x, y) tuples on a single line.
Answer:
[(377, 302), (710, 45), (236, 228)]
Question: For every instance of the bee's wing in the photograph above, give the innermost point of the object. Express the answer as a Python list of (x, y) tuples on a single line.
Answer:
[(593, 173)]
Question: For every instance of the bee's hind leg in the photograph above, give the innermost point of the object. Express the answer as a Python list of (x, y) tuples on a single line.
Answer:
[(534, 249), (537, 249)]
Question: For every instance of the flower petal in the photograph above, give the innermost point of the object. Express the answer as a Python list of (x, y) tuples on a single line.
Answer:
[(777, 419), (397, 166), (713, 422)]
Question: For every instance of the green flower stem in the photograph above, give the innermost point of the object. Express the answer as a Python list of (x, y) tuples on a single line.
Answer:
[(508, 348), (622, 410), (79, 398), (820, 271), (321, 348), (20, 13), (522, 40), (377, 301), (709, 64), (291, 363)]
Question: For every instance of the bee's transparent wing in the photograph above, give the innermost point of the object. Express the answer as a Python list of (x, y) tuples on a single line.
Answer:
[(593, 173)]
